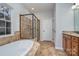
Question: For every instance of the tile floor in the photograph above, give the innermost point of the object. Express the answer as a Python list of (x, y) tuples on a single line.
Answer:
[(47, 49)]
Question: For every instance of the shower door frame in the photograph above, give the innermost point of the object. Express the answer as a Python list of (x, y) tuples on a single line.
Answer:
[(32, 24)]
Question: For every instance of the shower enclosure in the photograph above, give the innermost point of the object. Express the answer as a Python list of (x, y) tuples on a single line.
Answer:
[(29, 27)]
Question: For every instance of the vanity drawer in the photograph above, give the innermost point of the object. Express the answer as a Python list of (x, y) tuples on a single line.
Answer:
[(75, 39), (74, 44)]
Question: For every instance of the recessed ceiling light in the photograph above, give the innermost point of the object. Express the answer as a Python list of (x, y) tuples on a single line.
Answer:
[(33, 8)]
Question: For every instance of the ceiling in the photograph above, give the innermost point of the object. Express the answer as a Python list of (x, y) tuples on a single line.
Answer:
[(39, 7)]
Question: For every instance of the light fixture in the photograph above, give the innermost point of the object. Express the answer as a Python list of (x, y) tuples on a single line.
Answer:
[(33, 8), (75, 5)]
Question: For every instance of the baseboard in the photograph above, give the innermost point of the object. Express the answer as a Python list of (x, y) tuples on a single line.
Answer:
[(59, 48), (45, 40)]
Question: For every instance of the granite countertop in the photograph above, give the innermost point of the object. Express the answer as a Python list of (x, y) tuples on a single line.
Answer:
[(71, 33)]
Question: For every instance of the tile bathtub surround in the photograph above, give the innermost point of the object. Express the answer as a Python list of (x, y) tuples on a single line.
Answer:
[(34, 49), (9, 39), (17, 35), (3, 41)]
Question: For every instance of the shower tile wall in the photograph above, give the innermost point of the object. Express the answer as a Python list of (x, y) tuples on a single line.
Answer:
[(26, 28)]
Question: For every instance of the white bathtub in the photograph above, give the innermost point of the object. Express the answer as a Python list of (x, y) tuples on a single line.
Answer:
[(18, 48)]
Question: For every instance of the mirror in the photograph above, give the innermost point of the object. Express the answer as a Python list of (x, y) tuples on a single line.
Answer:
[(76, 20)]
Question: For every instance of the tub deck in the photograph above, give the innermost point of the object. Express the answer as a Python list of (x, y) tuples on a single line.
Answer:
[(19, 48)]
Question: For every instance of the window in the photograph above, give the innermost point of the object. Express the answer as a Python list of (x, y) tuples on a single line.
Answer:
[(5, 20)]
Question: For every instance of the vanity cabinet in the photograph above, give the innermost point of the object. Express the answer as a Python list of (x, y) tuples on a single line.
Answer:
[(70, 45)]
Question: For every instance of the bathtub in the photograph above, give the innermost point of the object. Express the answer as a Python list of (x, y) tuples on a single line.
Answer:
[(17, 48)]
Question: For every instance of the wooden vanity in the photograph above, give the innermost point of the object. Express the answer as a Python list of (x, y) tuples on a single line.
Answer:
[(71, 43)]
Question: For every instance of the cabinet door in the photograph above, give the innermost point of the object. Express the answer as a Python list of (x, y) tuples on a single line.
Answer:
[(75, 46), (69, 45), (64, 42)]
